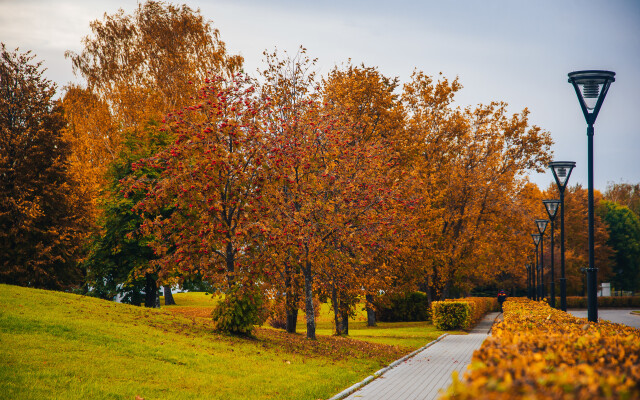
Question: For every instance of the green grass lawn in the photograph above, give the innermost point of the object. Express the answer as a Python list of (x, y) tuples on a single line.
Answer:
[(62, 346), (406, 335)]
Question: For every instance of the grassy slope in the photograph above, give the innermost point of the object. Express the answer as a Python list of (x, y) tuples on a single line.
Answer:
[(408, 335), (62, 346)]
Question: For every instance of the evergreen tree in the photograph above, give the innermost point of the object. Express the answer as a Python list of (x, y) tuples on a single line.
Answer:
[(119, 259), (624, 237)]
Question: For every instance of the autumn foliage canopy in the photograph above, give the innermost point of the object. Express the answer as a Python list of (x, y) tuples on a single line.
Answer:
[(338, 188), (285, 185)]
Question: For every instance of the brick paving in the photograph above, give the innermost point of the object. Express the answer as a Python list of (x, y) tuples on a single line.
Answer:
[(425, 374)]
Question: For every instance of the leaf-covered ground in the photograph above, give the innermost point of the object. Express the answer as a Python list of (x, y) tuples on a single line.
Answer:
[(64, 346)]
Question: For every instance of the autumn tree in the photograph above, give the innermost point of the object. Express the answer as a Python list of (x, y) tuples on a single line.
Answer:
[(330, 220), (149, 63), (577, 239), (502, 264), (287, 90), (327, 188), (136, 68), (94, 138), (477, 159), (367, 101), (42, 215), (625, 194), (211, 177)]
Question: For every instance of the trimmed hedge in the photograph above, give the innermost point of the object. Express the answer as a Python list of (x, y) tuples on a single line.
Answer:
[(461, 313), (412, 306), (611, 302), (542, 353), (449, 315)]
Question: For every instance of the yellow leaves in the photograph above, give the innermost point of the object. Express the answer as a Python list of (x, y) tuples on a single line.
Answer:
[(542, 353)]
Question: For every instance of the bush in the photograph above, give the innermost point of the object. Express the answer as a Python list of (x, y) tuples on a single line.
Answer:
[(413, 306), (542, 353), (461, 313), (241, 309), (612, 302), (449, 315)]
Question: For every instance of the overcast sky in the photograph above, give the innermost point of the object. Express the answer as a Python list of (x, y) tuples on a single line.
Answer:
[(509, 50)]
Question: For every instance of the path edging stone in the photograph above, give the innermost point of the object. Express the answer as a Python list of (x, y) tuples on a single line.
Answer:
[(379, 373)]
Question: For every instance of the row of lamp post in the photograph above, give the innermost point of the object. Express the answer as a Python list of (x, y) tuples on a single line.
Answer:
[(561, 172), (591, 87)]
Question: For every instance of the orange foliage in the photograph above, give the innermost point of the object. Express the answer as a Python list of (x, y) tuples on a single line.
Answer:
[(577, 239), (136, 68), (543, 353), (475, 161)]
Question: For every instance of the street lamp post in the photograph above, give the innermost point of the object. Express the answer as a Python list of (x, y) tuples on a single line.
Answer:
[(528, 266), (552, 209), (591, 87), (542, 226), (536, 240), (561, 173)]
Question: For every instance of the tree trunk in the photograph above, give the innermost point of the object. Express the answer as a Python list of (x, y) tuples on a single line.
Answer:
[(150, 291), (230, 261), (433, 288), (345, 321), (336, 310), (168, 297), (308, 294), (371, 314), (429, 296), (136, 298), (291, 301), (292, 320)]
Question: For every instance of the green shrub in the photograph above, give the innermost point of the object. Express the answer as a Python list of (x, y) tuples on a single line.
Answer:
[(241, 309), (402, 307), (449, 315), (465, 314)]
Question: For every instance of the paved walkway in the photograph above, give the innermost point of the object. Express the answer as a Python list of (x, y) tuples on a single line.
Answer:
[(619, 316), (422, 376)]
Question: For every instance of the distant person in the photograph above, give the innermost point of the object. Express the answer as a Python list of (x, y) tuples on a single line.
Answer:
[(502, 296)]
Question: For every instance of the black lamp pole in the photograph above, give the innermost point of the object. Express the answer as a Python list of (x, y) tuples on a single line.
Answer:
[(536, 277), (561, 173), (542, 226), (552, 209), (591, 87), (528, 266)]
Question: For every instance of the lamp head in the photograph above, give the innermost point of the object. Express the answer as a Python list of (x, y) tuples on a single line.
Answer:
[(591, 86), (542, 225), (552, 208), (561, 172), (536, 238)]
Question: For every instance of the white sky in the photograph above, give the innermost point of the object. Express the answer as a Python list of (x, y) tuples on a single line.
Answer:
[(515, 51)]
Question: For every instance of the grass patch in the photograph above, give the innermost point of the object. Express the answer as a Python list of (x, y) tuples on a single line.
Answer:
[(63, 346), (407, 336)]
